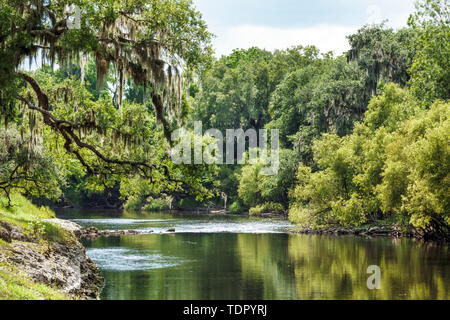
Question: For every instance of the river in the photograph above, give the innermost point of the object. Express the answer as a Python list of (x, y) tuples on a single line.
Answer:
[(235, 257)]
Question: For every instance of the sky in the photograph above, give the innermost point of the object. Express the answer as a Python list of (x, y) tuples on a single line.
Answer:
[(279, 24)]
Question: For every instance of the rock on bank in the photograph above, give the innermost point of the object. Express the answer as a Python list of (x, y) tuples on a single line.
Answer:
[(61, 264)]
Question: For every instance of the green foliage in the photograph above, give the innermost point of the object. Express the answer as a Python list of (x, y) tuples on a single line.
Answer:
[(384, 54), (236, 91), (389, 109), (189, 203), (249, 181), (134, 203), (147, 204), (26, 166), (128, 35), (287, 107), (256, 188), (229, 179), (327, 197), (268, 207), (159, 204), (430, 72), (88, 136), (395, 162), (420, 152), (327, 96), (236, 207), (275, 188), (304, 94)]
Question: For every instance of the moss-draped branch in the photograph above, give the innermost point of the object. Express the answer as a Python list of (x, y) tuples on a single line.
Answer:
[(156, 44)]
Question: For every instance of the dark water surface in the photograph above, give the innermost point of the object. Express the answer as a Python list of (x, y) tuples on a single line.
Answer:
[(232, 257)]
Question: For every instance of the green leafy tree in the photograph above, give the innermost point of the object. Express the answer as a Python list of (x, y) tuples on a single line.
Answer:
[(384, 54), (430, 71), (393, 164), (327, 96), (157, 44), (256, 189), (26, 167), (416, 173), (236, 92)]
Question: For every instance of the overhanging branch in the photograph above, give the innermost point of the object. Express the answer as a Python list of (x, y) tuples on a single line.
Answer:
[(66, 130)]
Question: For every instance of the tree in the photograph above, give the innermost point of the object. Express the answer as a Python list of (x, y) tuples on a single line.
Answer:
[(416, 172), (256, 189), (393, 164), (343, 188), (326, 96), (27, 168), (384, 54), (157, 44), (236, 92), (430, 71)]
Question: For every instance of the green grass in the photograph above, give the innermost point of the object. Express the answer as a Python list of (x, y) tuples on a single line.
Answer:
[(22, 211), (28, 218), (14, 285)]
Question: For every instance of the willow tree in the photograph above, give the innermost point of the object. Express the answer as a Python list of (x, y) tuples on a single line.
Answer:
[(156, 44)]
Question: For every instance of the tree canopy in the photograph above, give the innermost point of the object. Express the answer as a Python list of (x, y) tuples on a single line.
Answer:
[(363, 135), (157, 45)]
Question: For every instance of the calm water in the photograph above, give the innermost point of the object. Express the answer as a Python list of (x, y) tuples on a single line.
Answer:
[(232, 257)]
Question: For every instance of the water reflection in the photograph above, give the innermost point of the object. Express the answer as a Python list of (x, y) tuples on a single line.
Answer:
[(229, 257), (271, 266)]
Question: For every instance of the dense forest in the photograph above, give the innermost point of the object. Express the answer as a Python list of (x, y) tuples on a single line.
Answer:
[(364, 136)]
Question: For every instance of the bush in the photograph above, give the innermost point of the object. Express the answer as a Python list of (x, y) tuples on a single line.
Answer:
[(156, 205), (188, 203), (269, 207), (236, 207), (134, 203), (139, 203), (255, 188)]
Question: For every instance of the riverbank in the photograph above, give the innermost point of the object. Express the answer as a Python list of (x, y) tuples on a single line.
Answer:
[(41, 257), (379, 229), (383, 230)]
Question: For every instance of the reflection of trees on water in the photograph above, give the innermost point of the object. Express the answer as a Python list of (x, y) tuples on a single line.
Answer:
[(280, 266)]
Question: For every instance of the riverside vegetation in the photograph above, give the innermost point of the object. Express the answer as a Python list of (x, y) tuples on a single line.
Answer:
[(41, 258), (364, 136)]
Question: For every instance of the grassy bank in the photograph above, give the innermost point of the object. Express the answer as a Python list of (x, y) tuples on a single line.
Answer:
[(27, 220), (15, 285)]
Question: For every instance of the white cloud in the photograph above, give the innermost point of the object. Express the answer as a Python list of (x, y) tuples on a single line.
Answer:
[(325, 37), (396, 12)]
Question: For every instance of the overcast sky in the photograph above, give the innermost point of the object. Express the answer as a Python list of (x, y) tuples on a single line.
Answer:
[(278, 24)]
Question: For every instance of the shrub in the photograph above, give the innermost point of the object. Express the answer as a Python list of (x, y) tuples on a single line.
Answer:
[(134, 203), (189, 203), (159, 204), (236, 207), (269, 207)]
